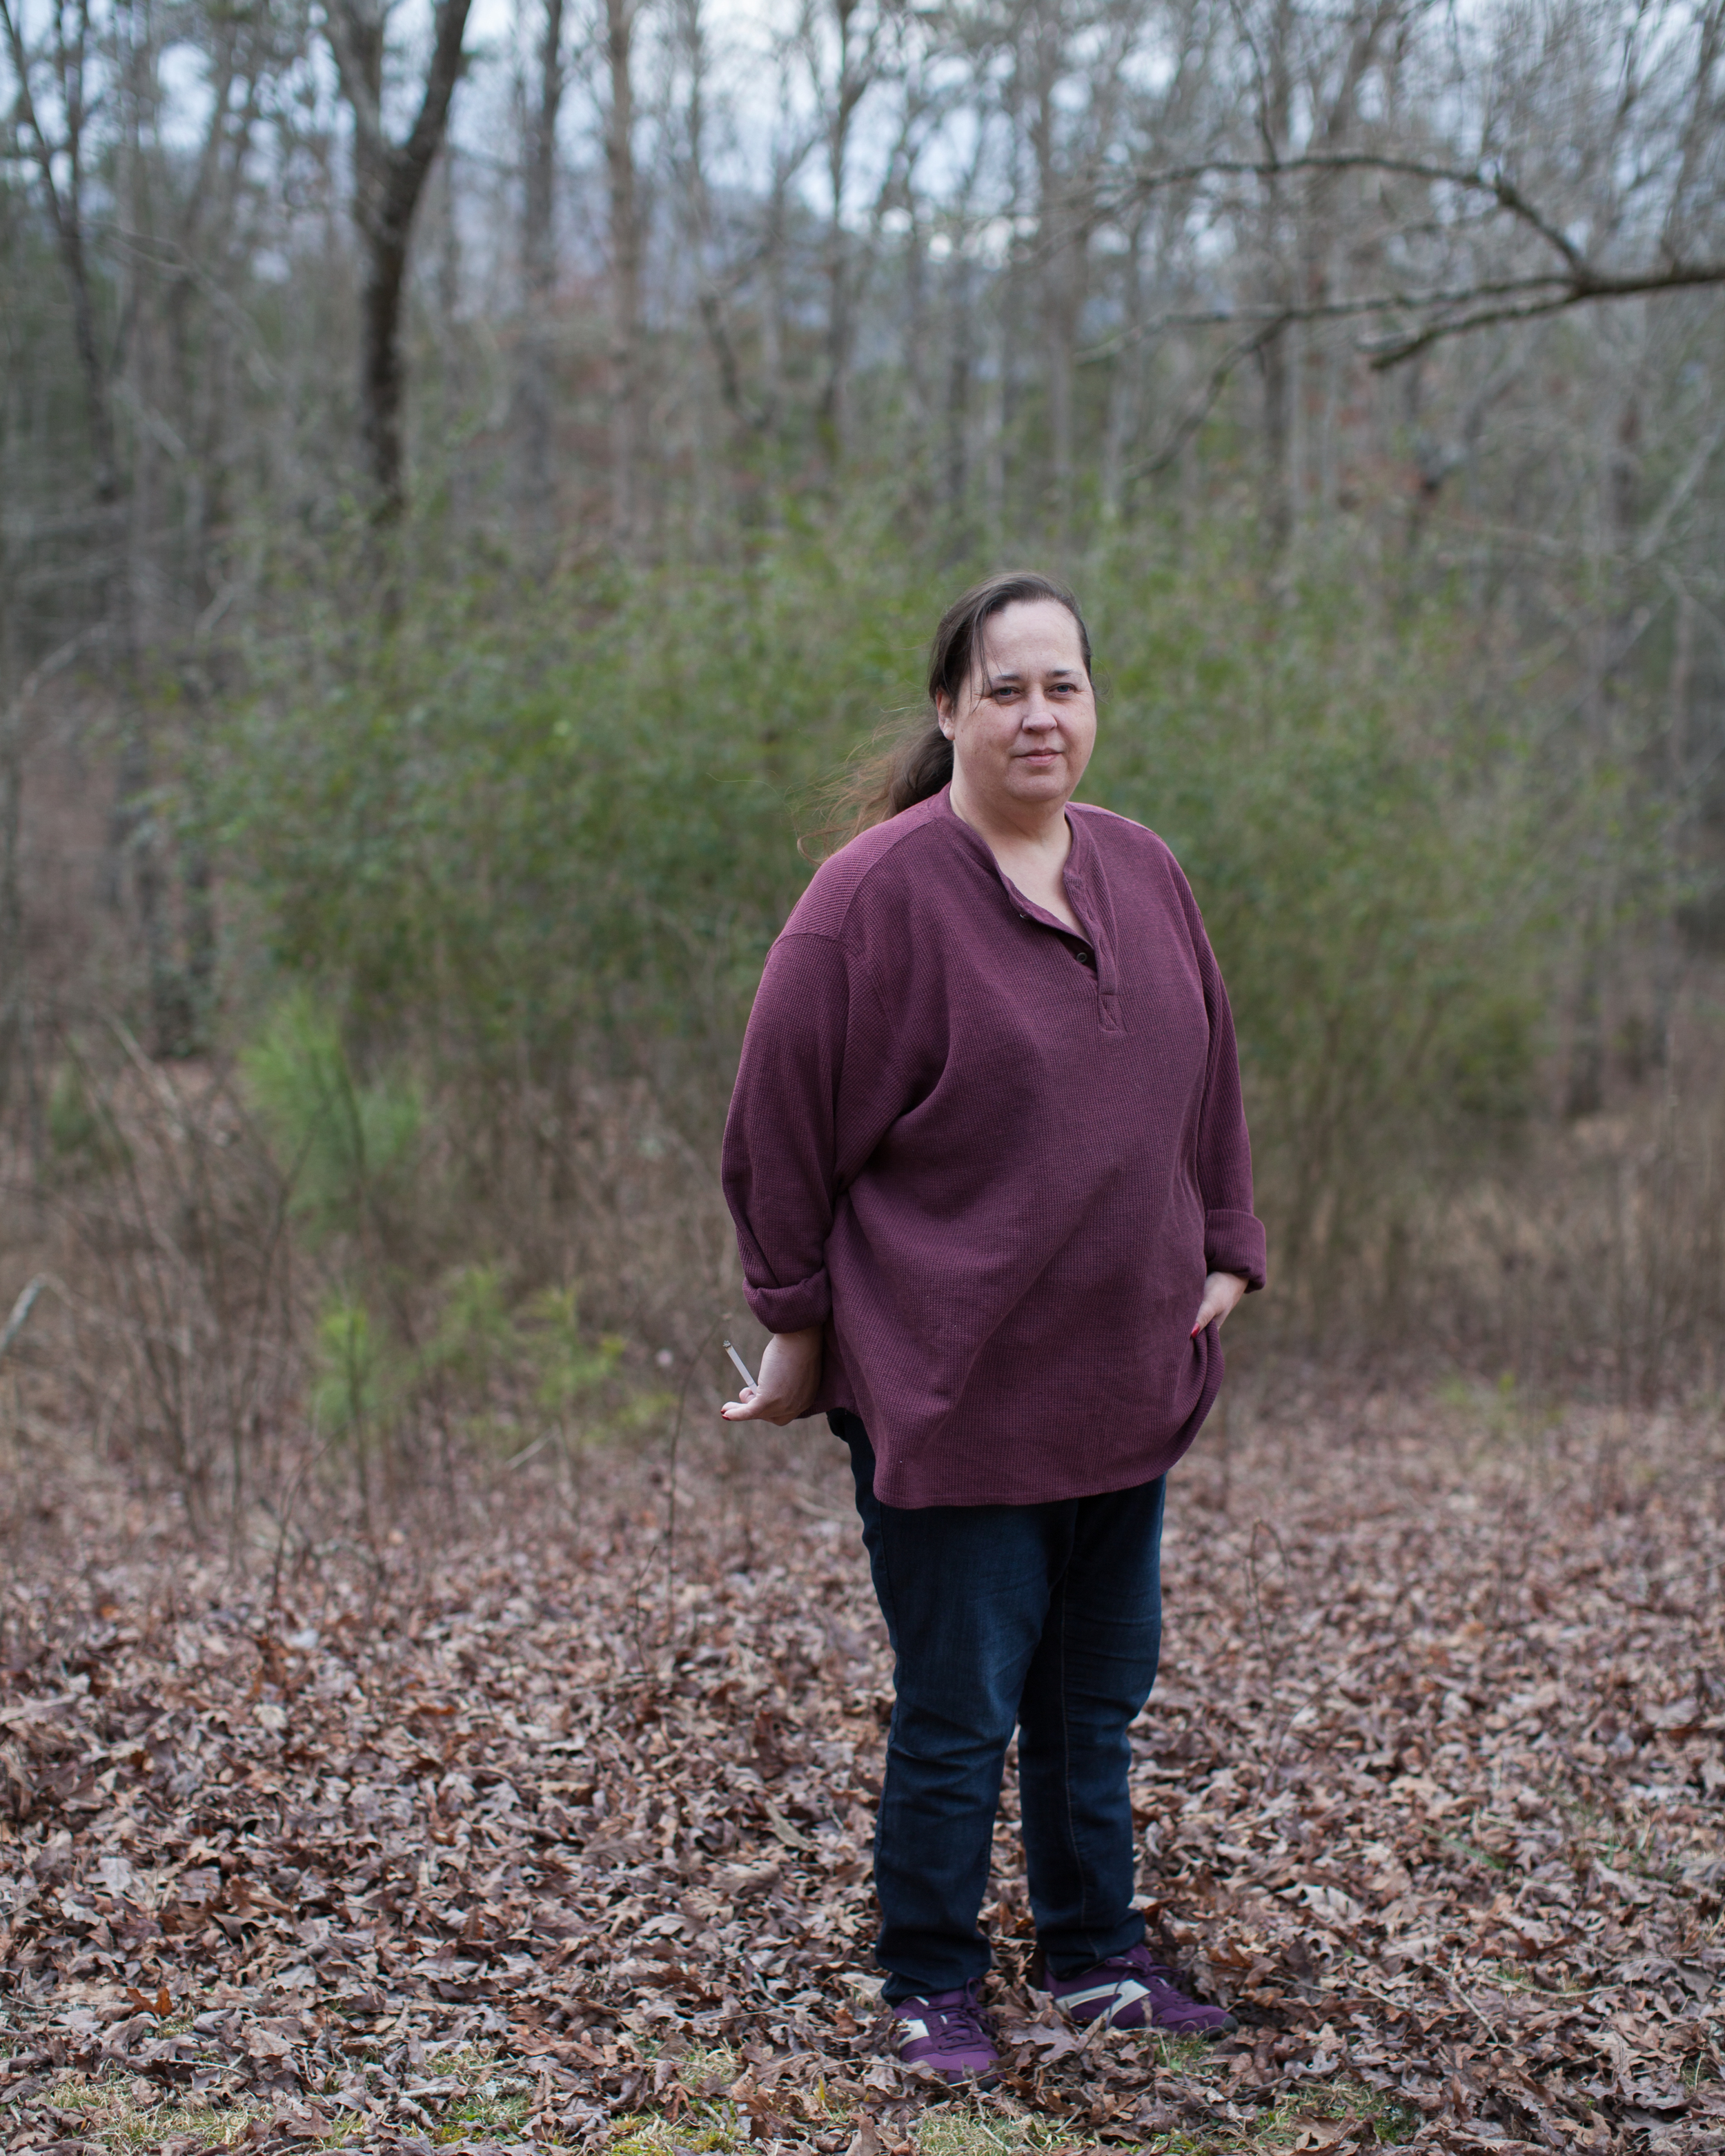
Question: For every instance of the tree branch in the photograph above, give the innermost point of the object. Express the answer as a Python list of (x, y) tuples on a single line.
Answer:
[(1545, 293), (1199, 409), (1474, 179), (1576, 284), (344, 29), (411, 163), (1576, 291), (1320, 310)]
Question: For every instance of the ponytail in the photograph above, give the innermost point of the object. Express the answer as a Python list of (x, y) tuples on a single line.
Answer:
[(911, 765)]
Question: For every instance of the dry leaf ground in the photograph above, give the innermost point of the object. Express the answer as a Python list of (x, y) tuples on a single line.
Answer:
[(493, 1836)]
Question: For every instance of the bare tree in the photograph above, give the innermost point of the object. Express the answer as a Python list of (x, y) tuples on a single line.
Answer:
[(1133, 202), (535, 384), (842, 43), (388, 178), (18, 1056), (61, 164), (628, 402), (122, 529)]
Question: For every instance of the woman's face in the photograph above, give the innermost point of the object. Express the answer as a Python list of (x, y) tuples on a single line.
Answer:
[(1023, 727)]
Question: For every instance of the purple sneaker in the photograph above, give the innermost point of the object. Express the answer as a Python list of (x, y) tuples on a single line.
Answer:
[(1131, 1991), (947, 2032)]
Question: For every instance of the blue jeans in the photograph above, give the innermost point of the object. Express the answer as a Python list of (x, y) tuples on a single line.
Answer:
[(1047, 1616)]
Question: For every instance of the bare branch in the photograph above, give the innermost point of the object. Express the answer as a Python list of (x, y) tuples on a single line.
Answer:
[(1320, 310), (389, 178), (1474, 179), (351, 38), (445, 72), (1550, 293), (1203, 403), (1576, 291), (1680, 490)]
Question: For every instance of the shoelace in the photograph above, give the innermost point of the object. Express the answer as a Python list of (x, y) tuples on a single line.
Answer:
[(959, 2026), (1146, 1972)]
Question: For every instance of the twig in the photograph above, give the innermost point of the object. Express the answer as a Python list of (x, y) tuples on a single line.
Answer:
[(285, 1520), (21, 1308), (1199, 409), (519, 1459), (1492, 2034), (1471, 179), (670, 1513), (1577, 290), (671, 1516)]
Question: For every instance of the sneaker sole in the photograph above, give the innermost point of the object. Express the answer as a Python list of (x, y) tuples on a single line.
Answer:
[(956, 2082), (1071, 2004), (1210, 2035)]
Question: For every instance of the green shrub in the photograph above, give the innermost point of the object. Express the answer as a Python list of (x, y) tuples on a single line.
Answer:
[(83, 1137), (348, 1150), (518, 844), (354, 1385), (476, 1334)]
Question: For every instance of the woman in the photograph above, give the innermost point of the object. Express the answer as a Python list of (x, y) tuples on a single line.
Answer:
[(992, 1185)]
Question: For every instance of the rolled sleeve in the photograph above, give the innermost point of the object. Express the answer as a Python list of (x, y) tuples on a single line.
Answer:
[(780, 1138), (1234, 1243), (793, 1309)]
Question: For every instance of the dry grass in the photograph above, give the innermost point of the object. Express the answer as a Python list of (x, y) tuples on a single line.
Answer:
[(180, 1327), (1595, 1260)]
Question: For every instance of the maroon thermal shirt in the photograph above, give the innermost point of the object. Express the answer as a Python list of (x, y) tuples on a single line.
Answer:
[(995, 1159)]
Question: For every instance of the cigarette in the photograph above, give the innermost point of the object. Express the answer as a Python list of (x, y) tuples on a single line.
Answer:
[(743, 1368)]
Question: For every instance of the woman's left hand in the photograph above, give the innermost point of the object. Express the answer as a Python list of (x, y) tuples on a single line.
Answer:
[(1221, 1292), (790, 1378)]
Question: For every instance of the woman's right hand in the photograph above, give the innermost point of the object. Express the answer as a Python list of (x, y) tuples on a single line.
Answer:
[(789, 1379)]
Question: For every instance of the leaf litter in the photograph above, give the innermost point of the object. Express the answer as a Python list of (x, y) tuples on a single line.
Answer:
[(495, 1834)]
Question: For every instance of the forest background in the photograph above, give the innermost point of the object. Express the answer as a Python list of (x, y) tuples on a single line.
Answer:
[(468, 479)]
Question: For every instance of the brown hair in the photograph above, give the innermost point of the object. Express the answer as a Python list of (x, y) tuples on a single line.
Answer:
[(909, 764)]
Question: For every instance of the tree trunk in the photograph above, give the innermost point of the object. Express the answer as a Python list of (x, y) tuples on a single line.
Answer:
[(1585, 1085), (776, 306), (723, 484), (961, 367), (626, 400), (1620, 510), (388, 180), (381, 375), (535, 389), (1054, 278), (18, 1058), (855, 72), (1666, 967), (1274, 119), (138, 614), (1278, 502), (65, 213), (1126, 386)]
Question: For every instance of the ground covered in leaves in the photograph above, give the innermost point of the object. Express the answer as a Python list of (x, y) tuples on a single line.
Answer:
[(529, 1824)]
